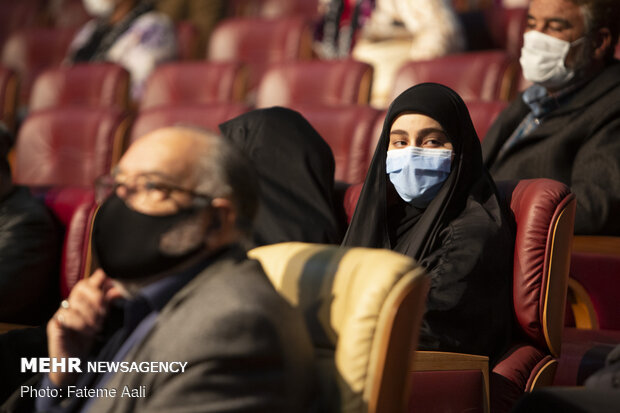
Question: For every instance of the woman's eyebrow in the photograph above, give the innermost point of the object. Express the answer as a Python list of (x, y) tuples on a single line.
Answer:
[(398, 132), (427, 131)]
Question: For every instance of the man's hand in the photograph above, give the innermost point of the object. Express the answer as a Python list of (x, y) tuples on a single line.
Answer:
[(72, 330)]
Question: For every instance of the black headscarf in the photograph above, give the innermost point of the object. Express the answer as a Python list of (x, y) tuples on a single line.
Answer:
[(464, 237), (296, 174)]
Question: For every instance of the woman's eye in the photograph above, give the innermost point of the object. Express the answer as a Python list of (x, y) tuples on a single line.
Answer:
[(399, 143)]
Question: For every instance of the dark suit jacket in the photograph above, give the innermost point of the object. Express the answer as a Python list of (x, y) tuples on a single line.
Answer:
[(577, 144), (247, 349)]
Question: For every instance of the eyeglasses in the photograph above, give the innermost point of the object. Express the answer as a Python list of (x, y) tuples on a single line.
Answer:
[(144, 188)]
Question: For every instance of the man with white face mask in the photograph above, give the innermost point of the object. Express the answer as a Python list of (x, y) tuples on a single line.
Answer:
[(567, 125), (128, 32)]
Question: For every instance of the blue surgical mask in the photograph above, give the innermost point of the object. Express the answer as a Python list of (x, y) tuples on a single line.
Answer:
[(418, 173)]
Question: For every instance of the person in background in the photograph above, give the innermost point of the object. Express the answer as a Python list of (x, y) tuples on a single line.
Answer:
[(30, 245), (402, 30), (427, 195), (203, 14), (296, 175), (566, 126), (128, 32)]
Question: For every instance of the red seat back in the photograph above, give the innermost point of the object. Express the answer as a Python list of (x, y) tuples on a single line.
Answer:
[(17, 15), (190, 83), (483, 114), (260, 42), (334, 82), (506, 26), (29, 52), (485, 75), (188, 40), (75, 208), (8, 96), (348, 130), (207, 116), (273, 8), (69, 146), (103, 85)]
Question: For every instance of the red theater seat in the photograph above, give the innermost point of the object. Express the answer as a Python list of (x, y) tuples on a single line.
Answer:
[(74, 207), (617, 54), (69, 146), (348, 130), (99, 85), (486, 75), (8, 96), (506, 26), (17, 15), (483, 114), (334, 82), (260, 42), (207, 116), (29, 52), (194, 83)]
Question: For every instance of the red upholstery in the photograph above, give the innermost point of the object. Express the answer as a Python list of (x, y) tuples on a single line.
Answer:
[(617, 54), (348, 130), (8, 96), (485, 75), (75, 208), (260, 42), (483, 114), (104, 85), (16, 15), (600, 277), (188, 41), (193, 83), (31, 51), (351, 196), (207, 116), (506, 27), (333, 82), (273, 8), (465, 390), (67, 13), (69, 146)]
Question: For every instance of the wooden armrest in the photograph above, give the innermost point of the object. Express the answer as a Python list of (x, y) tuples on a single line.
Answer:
[(581, 306), (444, 361), (597, 245), (6, 327)]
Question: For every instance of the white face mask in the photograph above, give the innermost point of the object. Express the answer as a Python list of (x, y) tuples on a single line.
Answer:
[(542, 59), (99, 8)]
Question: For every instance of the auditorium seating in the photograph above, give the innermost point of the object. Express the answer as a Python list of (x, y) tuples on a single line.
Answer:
[(544, 213), (484, 113), (327, 82), (103, 85), (17, 15), (69, 146), (8, 96), (349, 131), (260, 42), (363, 308), (30, 51), (207, 116), (506, 27), (617, 54), (194, 83), (486, 75), (74, 207)]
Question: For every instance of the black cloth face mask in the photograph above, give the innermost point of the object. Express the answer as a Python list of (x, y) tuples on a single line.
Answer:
[(127, 242)]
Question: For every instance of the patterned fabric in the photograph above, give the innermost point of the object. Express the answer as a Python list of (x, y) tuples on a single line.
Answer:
[(148, 41)]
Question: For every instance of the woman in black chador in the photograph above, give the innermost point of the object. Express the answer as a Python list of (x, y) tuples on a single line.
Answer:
[(296, 175), (427, 195)]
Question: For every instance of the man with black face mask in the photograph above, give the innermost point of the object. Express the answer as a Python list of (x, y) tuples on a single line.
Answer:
[(567, 125), (169, 240)]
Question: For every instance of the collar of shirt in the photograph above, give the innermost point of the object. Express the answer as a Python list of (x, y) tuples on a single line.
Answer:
[(542, 103)]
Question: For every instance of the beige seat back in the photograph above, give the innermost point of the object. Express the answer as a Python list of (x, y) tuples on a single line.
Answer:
[(363, 308)]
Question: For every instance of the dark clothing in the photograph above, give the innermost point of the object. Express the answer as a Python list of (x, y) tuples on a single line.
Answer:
[(247, 349), (29, 252), (296, 174), (463, 238), (577, 144)]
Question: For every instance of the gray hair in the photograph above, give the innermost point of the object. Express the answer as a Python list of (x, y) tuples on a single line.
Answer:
[(600, 14)]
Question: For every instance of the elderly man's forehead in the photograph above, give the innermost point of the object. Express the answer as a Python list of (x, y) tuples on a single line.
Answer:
[(171, 151)]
